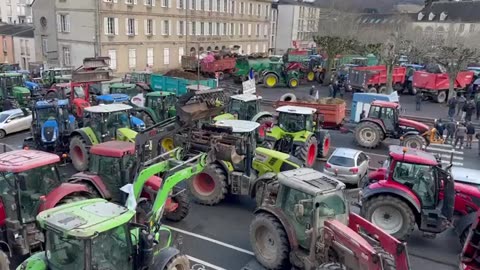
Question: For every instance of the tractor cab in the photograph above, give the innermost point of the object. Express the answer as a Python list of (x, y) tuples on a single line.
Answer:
[(163, 104), (420, 188), (241, 107), (12, 87), (360, 61), (386, 113), (109, 121), (128, 89), (293, 119), (56, 75)]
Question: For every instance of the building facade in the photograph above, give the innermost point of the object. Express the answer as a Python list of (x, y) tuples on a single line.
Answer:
[(6, 48), (156, 33), (17, 44), (15, 11), (297, 24)]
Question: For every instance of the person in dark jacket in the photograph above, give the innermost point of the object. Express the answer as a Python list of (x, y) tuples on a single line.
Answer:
[(460, 104), (452, 105), (469, 108), (460, 134), (418, 100), (451, 127), (440, 126), (470, 133)]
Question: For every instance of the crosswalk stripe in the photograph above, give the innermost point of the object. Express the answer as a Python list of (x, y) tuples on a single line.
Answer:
[(449, 146), (444, 150), (453, 162), (454, 157)]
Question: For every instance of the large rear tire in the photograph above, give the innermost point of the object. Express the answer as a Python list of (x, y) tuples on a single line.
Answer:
[(293, 83), (288, 97), (4, 261), (368, 134), (178, 262), (183, 206), (331, 266), (390, 214), (270, 80), (388, 261), (372, 90), (414, 141), (79, 153), (210, 186), (382, 90), (323, 144), (441, 97), (308, 152), (269, 242)]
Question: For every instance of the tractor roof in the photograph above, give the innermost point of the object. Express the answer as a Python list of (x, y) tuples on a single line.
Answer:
[(310, 181), (239, 126), (385, 104), (23, 160), (159, 94), (467, 176), (122, 85), (115, 149), (50, 103), (108, 108), (246, 97), (113, 97), (11, 75), (85, 219), (296, 110), (65, 84), (412, 155)]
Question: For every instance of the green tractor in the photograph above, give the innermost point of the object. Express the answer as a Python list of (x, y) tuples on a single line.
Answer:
[(296, 65), (12, 88), (298, 134), (102, 123), (129, 89), (158, 106), (243, 66), (239, 166), (97, 234), (56, 75)]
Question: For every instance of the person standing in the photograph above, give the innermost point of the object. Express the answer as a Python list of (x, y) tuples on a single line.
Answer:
[(450, 130), (331, 89), (418, 100), (470, 133), (460, 135), (312, 90), (335, 89), (452, 104), (460, 104), (469, 108)]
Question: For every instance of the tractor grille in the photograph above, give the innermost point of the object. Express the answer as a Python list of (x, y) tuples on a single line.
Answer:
[(48, 133)]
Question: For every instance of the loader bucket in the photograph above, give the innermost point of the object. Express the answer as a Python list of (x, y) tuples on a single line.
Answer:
[(200, 105)]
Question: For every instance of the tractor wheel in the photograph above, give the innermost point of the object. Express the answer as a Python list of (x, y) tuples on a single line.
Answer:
[(183, 206), (310, 76), (382, 90), (269, 242), (414, 141), (263, 121), (372, 90), (4, 261), (221, 76), (79, 153), (178, 262), (308, 152), (388, 261), (390, 214), (166, 145), (323, 144), (441, 97), (368, 134), (331, 266), (2, 134), (271, 80), (210, 186), (293, 83), (288, 97)]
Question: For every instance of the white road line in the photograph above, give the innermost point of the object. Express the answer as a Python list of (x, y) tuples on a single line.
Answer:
[(449, 146), (444, 150), (204, 263), (448, 157), (453, 162), (211, 240)]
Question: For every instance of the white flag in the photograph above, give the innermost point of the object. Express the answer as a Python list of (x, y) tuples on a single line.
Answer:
[(131, 201)]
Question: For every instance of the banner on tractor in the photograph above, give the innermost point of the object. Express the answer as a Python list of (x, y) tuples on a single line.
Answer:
[(249, 86)]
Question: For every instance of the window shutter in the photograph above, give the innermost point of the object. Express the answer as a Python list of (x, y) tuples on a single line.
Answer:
[(126, 26), (153, 2), (207, 5), (105, 25), (145, 26), (198, 5), (136, 27), (197, 28), (115, 1), (145, 2), (162, 25), (59, 25), (214, 28), (134, 2), (234, 29), (116, 26), (169, 3), (67, 24), (178, 3), (178, 28), (189, 28), (220, 8), (184, 27), (169, 27), (214, 5), (154, 27)]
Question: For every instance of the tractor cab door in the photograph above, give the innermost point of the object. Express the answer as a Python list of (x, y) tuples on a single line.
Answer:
[(250, 110), (388, 117), (113, 249), (290, 197)]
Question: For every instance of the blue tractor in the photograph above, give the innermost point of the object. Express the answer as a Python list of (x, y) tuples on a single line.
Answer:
[(137, 124), (51, 126)]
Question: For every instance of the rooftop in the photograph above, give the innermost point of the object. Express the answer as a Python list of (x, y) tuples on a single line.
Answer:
[(245, 97), (310, 181), (23, 160), (296, 110), (412, 155), (239, 126), (116, 149), (386, 104), (85, 219), (18, 30), (108, 108), (462, 11)]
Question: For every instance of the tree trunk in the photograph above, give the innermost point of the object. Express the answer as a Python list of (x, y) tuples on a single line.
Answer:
[(389, 78), (330, 62), (451, 85)]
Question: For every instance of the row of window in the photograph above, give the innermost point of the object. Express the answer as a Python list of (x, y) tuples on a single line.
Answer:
[(111, 26), (227, 6)]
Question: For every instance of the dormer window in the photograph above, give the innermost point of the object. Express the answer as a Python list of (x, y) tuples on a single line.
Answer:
[(420, 16), (431, 16), (443, 16)]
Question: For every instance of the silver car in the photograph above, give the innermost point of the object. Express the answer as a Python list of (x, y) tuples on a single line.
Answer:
[(15, 120), (347, 165)]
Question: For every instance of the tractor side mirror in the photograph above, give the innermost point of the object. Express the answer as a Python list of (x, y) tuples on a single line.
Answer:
[(299, 210)]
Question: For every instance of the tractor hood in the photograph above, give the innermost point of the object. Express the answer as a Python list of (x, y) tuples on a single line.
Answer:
[(421, 127), (50, 131), (126, 135), (113, 98), (32, 86), (225, 116), (137, 123)]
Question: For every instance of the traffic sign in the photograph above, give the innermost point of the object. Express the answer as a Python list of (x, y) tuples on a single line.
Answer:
[(249, 86)]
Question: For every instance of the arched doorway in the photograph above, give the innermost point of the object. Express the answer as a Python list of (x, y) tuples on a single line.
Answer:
[(216, 48), (209, 48), (224, 47), (192, 51), (201, 49)]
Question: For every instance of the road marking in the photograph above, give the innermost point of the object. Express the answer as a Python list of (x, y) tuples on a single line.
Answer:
[(441, 145), (444, 150), (203, 264), (448, 157), (211, 240), (453, 162)]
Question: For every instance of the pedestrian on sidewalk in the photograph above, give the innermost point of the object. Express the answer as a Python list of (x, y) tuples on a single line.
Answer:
[(452, 104), (460, 135), (418, 100), (460, 104), (470, 133), (477, 102), (451, 127), (469, 108)]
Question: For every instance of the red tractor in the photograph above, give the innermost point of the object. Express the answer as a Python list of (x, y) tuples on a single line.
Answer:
[(470, 257), (384, 121), (410, 189), (29, 184)]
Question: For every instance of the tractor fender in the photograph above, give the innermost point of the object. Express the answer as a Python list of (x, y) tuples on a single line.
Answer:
[(87, 135), (410, 133), (147, 111), (278, 214), (57, 194), (376, 189), (227, 167), (266, 72), (464, 222), (260, 115), (275, 134), (162, 257), (301, 137), (264, 178), (376, 121), (92, 180), (126, 134)]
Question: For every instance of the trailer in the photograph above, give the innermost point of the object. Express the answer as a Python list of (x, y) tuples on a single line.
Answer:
[(373, 79), (175, 85), (436, 85), (218, 68)]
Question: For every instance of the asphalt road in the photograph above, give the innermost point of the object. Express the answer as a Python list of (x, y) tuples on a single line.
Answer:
[(217, 237)]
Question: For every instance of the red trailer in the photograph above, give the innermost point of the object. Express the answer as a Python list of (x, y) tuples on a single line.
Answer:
[(373, 79), (435, 85), (220, 66)]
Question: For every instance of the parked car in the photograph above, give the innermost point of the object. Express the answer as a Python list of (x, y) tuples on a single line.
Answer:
[(15, 120), (347, 165)]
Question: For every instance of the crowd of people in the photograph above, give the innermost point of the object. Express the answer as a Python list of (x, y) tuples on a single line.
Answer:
[(458, 133)]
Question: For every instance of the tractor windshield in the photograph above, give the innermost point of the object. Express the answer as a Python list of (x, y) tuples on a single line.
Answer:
[(421, 179), (245, 110), (117, 120), (44, 114), (111, 251), (235, 107), (112, 172), (79, 92), (62, 72), (294, 122), (64, 253)]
